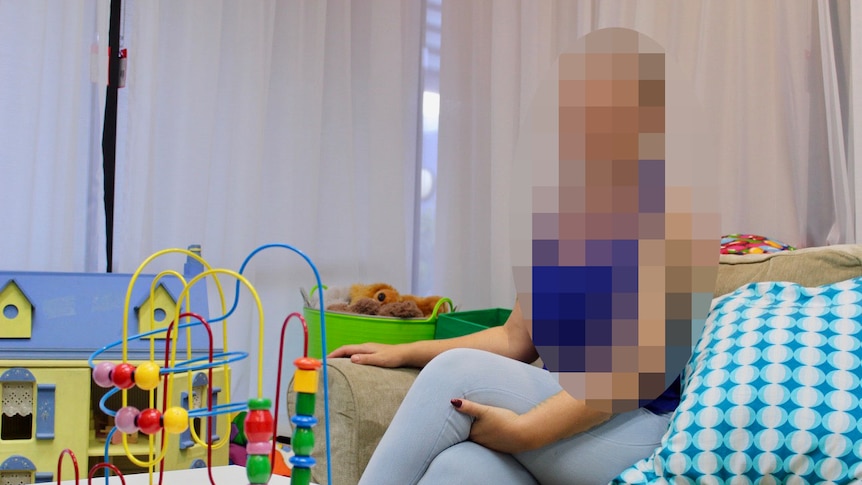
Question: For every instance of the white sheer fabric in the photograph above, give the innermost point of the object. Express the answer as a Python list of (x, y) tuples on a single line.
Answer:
[(53, 71), (765, 72), (272, 122), (196, 398), (15, 478), (258, 122), (17, 399), (851, 15)]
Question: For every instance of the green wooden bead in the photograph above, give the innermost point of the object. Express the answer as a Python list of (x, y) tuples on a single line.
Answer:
[(259, 404), (305, 403), (302, 441), (300, 476), (239, 421), (258, 469)]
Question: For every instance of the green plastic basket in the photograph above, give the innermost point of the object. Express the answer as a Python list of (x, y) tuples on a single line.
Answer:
[(464, 323), (349, 328)]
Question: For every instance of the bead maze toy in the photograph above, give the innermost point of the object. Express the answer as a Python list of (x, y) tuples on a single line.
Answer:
[(259, 425)]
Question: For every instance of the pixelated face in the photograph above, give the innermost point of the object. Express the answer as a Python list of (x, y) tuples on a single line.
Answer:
[(623, 250)]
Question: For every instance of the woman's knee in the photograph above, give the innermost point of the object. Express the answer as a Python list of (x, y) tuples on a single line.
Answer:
[(457, 362), (456, 370)]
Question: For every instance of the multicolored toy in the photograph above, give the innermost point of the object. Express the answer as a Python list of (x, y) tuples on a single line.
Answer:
[(305, 386), (259, 429), (751, 244), (259, 425)]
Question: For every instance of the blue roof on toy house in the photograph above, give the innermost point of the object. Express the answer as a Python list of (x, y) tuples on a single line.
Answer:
[(75, 314)]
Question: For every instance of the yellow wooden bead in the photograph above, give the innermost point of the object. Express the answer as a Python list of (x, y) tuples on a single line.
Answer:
[(176, 420), (147, 376), (305, 381)]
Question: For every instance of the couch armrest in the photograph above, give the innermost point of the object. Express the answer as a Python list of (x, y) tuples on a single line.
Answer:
[(362, 402)]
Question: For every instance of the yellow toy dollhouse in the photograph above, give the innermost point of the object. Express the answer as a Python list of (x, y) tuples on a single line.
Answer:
[(50, 324)]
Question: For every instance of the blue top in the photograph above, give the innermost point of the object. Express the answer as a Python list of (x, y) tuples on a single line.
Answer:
[(668, 401)]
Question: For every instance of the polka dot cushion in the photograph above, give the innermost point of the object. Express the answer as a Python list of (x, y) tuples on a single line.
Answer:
[(751, 244), (771, 394)]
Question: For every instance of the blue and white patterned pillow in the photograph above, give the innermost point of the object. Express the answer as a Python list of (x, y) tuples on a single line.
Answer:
[(771, 393)]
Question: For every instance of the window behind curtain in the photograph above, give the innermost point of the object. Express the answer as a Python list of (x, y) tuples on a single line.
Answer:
[(424, 274)]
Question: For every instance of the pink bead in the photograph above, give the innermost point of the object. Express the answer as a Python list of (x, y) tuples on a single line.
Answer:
[(125, 419), (258, 448), (102, 374)]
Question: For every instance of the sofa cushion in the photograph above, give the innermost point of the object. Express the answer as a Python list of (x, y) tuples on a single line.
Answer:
[(771, 392)]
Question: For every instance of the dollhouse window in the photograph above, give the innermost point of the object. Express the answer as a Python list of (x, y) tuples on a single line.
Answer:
[(16, 478), (16, 312), (200, 384), (17, 470), (16, 422), (156, 311), (25, 406)]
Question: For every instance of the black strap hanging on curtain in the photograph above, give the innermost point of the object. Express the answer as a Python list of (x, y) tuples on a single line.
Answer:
[(109, 130)]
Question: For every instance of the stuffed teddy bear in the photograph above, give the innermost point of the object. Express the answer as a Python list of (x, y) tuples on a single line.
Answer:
[(385, 293), (426, 304), (383, 300), (381, 292), (369, 306)]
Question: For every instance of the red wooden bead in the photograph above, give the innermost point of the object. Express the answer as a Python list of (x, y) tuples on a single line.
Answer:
[(122, 374), (150, 421), (259, 425)]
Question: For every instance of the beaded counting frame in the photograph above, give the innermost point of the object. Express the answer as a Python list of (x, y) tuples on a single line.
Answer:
[(259, 425)]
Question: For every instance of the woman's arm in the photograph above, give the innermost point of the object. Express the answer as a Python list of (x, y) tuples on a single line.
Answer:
[(512, 340), (558, 417)]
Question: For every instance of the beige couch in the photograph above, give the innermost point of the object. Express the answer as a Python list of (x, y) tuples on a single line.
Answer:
[(363, 399)]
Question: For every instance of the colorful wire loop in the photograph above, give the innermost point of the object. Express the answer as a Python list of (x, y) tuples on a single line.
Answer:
[(260, 426)]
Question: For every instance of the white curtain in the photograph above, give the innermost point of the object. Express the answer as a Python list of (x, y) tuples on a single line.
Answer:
[(252, 123), (53, 72), (295, 121), (764, 71)]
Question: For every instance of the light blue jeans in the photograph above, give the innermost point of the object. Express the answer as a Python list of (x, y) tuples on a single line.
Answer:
[(426, 443)]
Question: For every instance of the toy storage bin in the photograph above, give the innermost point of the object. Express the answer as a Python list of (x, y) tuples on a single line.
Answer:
[(463, 323), (349, 328)]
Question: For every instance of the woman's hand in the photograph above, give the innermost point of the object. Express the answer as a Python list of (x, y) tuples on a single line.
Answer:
[(497, 428), (558, 417), (380, 355)]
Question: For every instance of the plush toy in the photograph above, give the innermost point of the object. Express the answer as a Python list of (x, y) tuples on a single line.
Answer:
[(368, 306), (362, 306), (426, 304), (331, 296), (384, 300), (400, 309), (380, 292)]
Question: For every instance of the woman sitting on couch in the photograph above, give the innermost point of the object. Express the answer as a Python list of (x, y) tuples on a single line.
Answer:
[(479, 412)]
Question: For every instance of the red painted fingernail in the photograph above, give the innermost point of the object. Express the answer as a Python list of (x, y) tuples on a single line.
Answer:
[(456, 403)]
